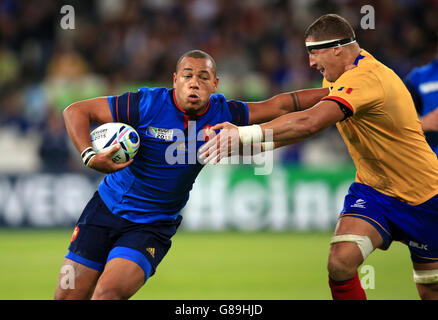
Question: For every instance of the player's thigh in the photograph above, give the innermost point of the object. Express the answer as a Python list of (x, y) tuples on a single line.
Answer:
[(353, 225), (349, 252), (75, 281), (120, 279), (427, 291)]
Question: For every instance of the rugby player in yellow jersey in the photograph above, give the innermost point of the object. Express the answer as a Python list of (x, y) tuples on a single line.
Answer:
[(395, 193)]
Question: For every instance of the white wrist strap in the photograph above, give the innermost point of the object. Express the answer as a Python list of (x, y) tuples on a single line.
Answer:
[(87, 155), (250, 134), (268, 146)]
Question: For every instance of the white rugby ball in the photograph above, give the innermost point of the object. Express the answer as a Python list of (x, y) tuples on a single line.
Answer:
[(107, 135)]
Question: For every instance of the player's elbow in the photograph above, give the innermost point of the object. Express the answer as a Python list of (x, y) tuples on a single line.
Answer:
[(74, 110), (67, 113), (70, 110)]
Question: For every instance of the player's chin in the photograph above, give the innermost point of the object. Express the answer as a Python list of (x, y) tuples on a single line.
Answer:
[(194, 106), (329, 77)]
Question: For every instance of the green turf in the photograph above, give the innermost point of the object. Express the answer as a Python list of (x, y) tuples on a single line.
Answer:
[(227, 265)]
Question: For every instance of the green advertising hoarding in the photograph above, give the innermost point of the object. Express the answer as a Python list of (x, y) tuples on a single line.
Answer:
[(289, 198)]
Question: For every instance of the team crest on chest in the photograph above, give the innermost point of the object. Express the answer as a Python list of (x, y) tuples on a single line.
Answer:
[(207, 131)]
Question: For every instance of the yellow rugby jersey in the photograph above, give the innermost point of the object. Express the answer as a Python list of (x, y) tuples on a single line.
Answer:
[(384, 135)]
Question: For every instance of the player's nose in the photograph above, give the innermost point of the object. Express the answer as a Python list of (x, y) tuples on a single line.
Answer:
[(194, 83), (312, 62)]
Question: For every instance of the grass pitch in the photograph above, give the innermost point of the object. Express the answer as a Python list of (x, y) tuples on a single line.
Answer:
[(219, 266)]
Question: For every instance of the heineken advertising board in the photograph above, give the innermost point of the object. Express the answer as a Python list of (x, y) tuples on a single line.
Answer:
[(223, 198)]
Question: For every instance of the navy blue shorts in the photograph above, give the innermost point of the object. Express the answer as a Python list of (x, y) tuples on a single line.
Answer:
[(100, 236), (416, 226)]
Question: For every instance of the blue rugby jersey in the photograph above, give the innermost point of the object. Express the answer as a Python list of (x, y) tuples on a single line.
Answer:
[(156, 185), (422, 83)]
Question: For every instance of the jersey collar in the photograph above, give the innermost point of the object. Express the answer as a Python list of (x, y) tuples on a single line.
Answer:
[(359, 57)]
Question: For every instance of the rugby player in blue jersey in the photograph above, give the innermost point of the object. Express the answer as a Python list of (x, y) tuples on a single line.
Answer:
[(125, 229), (422, 83)]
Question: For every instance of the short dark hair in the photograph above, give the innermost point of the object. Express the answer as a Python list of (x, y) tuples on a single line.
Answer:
[(197, 54), (329, 26)]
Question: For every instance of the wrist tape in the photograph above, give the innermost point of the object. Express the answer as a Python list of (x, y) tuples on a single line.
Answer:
[(268, 146), (87, 155), (250, 134)]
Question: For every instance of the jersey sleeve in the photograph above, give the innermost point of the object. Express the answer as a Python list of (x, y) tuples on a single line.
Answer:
[(239, 112), (357, 91), (125, 108)]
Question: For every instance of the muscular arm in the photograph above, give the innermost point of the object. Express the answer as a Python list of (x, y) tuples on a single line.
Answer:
[(284, 103), (294, 127), (78, 117), (286, 129)]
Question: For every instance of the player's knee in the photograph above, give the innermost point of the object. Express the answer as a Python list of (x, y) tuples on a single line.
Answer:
[(427, 283), (108, 292), (428, 291), (339, 269), (71, 294), (103, 293), (340, 264), (61, 295), (347, 252)]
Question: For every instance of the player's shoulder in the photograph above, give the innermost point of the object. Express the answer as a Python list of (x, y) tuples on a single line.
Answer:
[(366, 70), (234, 111), (221, 100), (154, 91), (218, 100), (152, 96), (359, 75), (424, 71), (151, 100)]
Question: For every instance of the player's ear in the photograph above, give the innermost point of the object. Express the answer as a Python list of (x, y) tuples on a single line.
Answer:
[(174, 79), (337, 50)]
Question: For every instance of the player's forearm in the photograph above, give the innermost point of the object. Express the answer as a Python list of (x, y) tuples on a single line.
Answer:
[(294, 126), (268, 146), (307, 98), (298, 100), (289, 128), (78, 117), (284, 103), (77, 123)]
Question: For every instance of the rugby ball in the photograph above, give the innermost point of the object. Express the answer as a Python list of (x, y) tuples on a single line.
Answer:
[(107, 135)]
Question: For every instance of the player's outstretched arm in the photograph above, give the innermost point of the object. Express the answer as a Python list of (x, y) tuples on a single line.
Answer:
[(299, 126), (78, 117), (286, 129), (284, 103)]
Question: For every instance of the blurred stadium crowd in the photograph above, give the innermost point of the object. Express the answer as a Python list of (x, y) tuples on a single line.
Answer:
[(120, 45)]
